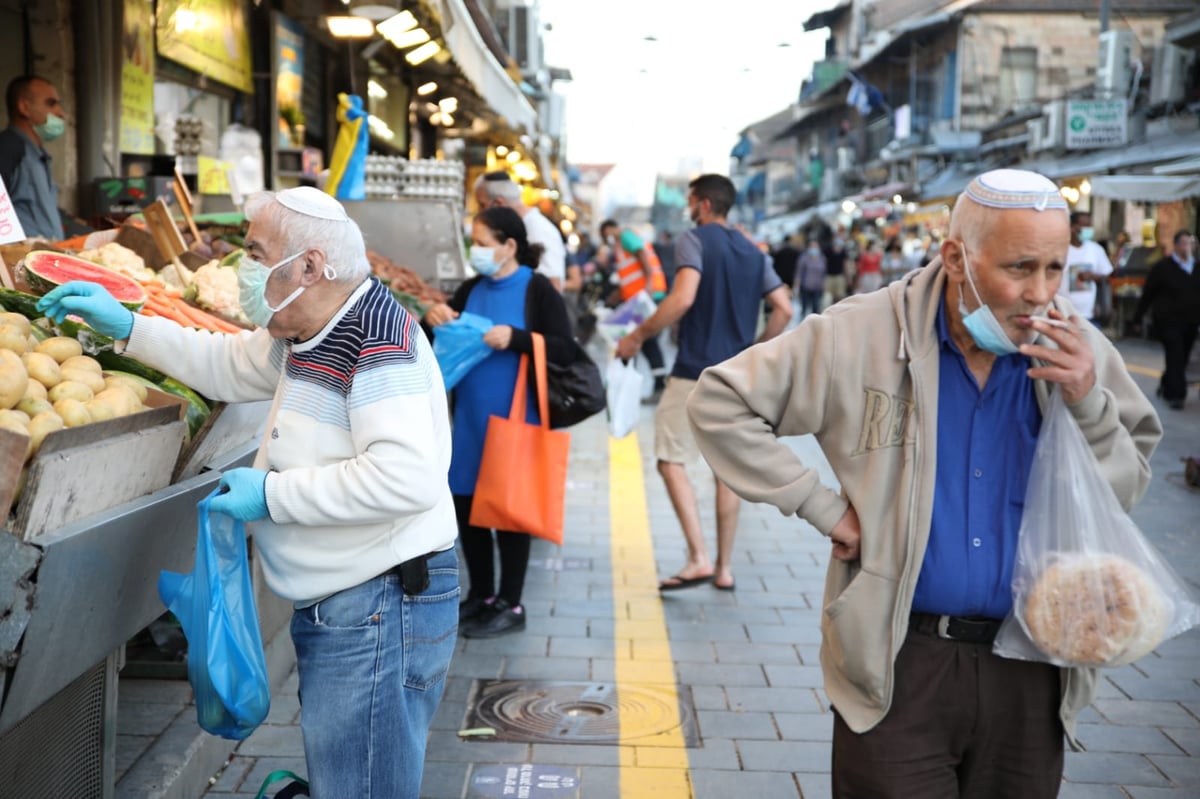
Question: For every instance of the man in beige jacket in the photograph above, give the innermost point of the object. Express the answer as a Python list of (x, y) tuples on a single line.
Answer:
[(926, 398)]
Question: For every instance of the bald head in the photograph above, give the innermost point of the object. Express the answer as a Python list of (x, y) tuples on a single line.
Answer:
[(497, 188)]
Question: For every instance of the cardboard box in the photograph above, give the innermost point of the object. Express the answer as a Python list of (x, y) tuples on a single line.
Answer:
[(77, 471)]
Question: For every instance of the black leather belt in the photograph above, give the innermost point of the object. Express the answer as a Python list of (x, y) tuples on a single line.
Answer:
[(413, 573), (969, 630)]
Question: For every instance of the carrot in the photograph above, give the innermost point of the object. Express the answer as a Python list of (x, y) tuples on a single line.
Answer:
[(206, 320)]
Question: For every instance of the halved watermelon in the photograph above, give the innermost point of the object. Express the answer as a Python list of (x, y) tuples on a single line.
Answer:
[(44, 270)]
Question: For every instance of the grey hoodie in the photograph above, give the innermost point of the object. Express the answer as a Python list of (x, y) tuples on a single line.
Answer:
[(863, 378)]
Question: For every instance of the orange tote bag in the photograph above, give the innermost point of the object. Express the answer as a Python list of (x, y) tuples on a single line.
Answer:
[(522, 481)]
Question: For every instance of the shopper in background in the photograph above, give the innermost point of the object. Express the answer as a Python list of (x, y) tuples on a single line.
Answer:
[(1087, 267), (868, 274), (926, 399), (347, 499), (637, 269), (1172, 296), (498, 189), (809, 279), (519, 301), (719, 286), (836, 256), (893, 265), (35, 117)]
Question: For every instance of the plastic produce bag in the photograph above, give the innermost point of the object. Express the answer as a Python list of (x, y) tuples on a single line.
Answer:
[(458, 346), (1088, 588), (626, 316), (215, 605), (624, 393)]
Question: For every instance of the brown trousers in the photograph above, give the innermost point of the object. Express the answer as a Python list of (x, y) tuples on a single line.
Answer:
[(964, 724)]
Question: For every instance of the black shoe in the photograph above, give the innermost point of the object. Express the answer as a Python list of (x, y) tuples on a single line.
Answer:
[(1176, 405), (500, 619), (654, 397), (473, 608)]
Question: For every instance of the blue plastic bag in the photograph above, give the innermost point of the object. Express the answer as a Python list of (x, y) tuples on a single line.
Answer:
[(459, 346), (215, 606)]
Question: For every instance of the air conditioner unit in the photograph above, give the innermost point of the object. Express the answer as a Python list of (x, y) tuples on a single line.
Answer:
[(1054, 119), (1168, 80), (524, 38), (1116, 55), (1037, 134)]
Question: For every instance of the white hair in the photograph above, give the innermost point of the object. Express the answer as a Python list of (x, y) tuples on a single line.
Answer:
[(506, 189), (342, 242)]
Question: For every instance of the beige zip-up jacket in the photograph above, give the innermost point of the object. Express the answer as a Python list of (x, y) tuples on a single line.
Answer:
[(863, 378)]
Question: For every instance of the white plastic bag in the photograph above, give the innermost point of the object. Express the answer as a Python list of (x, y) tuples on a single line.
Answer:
[(624, 390), (1088, 588), (626, 316)]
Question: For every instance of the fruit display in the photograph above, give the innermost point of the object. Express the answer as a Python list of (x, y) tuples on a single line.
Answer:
[(407, 286), (44, 270), (40, 360)]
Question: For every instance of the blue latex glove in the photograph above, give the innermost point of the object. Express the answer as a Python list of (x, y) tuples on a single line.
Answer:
[(245, 495), (91, 301)]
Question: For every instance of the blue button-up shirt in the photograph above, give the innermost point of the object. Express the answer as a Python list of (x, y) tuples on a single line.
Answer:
[(985, 448), (27, 174)]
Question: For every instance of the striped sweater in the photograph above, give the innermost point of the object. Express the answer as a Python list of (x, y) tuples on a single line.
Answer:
[(357, 441)]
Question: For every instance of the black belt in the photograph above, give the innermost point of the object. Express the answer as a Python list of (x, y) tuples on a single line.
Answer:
[(969, 630), (413, 573)]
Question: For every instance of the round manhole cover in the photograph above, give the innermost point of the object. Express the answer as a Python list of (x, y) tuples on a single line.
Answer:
[(574, 712)]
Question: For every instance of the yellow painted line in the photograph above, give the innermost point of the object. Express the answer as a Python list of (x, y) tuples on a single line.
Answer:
[(656, 766), (1143, 370)]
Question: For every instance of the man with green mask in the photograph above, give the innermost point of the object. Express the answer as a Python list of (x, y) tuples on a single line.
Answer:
[(35, 117)]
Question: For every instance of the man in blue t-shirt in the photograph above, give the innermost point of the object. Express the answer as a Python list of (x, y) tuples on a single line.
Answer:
[(721, 279)]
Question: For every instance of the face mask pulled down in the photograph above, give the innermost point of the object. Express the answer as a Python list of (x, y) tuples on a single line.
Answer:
[(981, 323), (252, 288)]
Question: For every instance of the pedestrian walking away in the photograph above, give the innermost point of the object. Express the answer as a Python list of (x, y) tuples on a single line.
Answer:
[(931, 436), (519, 301), (1172, 296), (347, 500), (720, 282)]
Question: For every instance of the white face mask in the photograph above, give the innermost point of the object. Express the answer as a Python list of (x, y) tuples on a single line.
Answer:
[(252, 288)]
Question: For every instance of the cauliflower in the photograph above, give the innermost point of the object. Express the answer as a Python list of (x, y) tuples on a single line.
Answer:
[(119, 259), (215, 288)]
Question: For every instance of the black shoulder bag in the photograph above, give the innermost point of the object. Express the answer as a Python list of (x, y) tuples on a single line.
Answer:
[(576, 391)]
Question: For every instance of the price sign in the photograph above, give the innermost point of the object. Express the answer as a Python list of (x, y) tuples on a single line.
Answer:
[(10, 225)]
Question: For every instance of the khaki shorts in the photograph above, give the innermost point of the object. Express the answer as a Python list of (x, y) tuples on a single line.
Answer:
[(673, 439)]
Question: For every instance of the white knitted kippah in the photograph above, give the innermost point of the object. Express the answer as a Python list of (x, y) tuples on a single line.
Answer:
[(312, 202), (1015, 188)]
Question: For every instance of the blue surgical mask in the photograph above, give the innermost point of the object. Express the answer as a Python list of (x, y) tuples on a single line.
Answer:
[(51, 129), (981, 323), (1087, 233), (252, 288), (483, 260)]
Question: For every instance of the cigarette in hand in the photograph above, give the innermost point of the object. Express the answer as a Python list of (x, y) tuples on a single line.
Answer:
[(1060, 324)]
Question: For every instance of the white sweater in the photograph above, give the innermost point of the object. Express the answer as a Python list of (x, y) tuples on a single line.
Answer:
[(357, 442)]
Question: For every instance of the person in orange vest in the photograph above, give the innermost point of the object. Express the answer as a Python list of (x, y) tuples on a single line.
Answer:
[(636, 267)]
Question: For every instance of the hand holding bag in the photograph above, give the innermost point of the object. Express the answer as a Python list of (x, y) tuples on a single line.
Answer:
[(1088, 588), (522, 480), (624, 397), (215, 606)]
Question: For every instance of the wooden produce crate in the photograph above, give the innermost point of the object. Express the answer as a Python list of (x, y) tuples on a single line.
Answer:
[(84, 470)]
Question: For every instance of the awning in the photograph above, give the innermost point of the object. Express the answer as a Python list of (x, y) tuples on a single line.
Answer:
[(826, 18), (1145, 188), (480, 67), (1155, 151), (1184, 166), (947, 184)]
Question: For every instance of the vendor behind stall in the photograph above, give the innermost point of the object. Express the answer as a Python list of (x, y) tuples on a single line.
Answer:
[(35, 117)]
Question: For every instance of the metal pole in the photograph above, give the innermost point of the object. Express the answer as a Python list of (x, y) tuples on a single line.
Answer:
[(1105, 7)]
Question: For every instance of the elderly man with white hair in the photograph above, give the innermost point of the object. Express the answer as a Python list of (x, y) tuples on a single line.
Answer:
[(497, 188), (926, 398), (348, 498)]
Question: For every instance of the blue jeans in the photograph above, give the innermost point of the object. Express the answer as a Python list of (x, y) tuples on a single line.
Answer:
[(372, 663)]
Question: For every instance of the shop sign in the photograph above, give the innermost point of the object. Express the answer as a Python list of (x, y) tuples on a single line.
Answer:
[(208, 36), (1092, 124), (10, 225), (137, 78), (289, 74), (212, 175)]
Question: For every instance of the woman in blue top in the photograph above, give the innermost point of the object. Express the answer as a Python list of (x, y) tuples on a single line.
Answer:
[(519, 301)]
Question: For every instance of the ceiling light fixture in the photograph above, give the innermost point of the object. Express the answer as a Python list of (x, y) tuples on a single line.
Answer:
[(448, 105), (376, 12), (375, 90), (427, 88), (350, 27), (423, 53), (408, 38), (404, 21), (513, 157)]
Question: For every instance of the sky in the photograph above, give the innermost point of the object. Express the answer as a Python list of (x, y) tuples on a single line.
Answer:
[(675, 104)]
